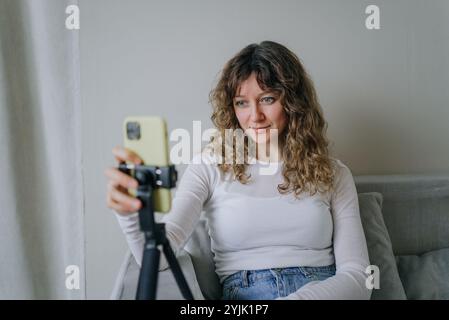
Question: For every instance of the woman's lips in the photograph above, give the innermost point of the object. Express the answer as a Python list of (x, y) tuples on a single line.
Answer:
[(258, 130)]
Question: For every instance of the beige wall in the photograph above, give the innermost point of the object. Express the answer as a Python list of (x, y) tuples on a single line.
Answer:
[(384, 93)]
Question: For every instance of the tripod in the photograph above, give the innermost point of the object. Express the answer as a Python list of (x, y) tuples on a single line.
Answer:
[(150, 178)]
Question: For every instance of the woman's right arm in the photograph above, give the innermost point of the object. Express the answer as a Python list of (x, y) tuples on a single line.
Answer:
[(194, 190)]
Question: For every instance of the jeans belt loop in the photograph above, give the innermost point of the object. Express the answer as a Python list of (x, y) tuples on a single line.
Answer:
[(245, 278)]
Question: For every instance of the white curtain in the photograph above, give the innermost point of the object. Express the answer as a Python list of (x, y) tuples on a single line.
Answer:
[(41, 200)]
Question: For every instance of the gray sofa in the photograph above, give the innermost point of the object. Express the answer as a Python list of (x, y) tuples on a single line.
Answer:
[(406, 223)]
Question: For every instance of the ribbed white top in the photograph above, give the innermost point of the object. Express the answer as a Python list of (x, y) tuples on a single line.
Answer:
[(253, 226)]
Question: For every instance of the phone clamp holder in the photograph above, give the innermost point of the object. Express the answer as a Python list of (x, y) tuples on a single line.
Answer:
[(149, 179)]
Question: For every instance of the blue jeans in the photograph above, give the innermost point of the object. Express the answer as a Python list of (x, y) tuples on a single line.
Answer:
[(269, 284)]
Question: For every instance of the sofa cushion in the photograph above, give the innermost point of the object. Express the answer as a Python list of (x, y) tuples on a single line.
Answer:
[(379, 247), (425, 276), (415, 210)]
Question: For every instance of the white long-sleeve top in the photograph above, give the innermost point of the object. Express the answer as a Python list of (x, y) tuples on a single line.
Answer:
[(254, 227)]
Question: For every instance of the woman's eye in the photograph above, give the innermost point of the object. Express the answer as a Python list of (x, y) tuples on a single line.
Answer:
[(239, 103), (268, 100)]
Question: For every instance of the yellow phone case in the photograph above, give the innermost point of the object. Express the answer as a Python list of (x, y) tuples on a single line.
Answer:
[(152, 148)]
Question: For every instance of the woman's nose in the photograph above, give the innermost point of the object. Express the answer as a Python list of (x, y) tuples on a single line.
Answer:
[(256, 114)]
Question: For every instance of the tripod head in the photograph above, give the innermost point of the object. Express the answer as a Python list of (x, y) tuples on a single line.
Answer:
[(149, 179), (153, 176)]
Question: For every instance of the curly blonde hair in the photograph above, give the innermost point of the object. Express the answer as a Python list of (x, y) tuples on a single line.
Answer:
[(303, 141)]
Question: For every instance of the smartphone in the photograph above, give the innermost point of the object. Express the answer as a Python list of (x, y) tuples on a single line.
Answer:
[(148, 138)]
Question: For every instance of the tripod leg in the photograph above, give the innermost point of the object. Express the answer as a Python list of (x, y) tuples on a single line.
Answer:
[(148, 273), (177, 272)]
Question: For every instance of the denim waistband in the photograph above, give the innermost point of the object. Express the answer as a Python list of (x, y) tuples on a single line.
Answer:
[(252, 275)]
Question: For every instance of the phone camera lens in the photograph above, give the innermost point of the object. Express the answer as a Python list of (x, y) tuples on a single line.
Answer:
[(133, 130)]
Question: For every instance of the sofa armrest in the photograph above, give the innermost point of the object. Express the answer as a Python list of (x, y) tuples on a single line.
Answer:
[(126, 283)]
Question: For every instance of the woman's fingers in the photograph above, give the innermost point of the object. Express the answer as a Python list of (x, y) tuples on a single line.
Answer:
[(121, 178), (118, 198), (122, 155), (118, 207)]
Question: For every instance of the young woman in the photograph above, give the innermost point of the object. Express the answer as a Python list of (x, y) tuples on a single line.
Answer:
[(294, 233)]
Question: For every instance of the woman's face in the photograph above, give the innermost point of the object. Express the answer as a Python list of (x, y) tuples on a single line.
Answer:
[(256, 109)]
